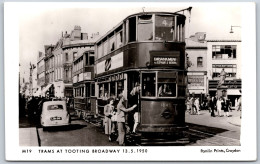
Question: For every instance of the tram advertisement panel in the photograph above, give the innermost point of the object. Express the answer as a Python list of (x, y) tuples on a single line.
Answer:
[(168, 58)]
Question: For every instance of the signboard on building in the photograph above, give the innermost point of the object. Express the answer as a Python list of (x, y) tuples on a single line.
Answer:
[(195, 80), (111, 63), (224, 66), (87, 76), (171, 58)]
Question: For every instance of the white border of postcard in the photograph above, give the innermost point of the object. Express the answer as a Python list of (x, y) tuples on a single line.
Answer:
[(248, 148)]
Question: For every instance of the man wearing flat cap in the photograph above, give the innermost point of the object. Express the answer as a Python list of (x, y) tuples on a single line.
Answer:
[(121, 110)]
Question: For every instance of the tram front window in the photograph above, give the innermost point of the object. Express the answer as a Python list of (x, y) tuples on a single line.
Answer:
[(166, 84), (148, 84), (164, 28), (145, 28)]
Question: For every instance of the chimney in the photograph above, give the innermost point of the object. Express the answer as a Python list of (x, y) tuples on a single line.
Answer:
[(62, 34)]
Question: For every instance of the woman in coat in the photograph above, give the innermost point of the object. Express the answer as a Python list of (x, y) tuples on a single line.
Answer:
[(108, 110)]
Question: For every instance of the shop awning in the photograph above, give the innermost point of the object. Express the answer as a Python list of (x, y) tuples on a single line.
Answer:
[(46, 89)]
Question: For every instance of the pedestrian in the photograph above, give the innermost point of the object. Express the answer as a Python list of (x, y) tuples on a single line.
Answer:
[(193, 107), (121, 110), (108, 110), (209, 101), (214, 105), (197, 106), (225, 106), (219, 106)]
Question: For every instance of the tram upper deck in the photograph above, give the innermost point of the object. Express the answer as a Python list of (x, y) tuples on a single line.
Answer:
[(143, 40)]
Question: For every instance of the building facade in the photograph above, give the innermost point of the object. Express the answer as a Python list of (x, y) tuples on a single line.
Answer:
[(225, 55), (41, 70), (196, 51)]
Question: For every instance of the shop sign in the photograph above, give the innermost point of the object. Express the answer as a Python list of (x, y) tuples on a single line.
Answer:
[(87, 76), (195, 80), (224, 66)]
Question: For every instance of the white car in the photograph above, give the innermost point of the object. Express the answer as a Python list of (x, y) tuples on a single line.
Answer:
[(54, 113)]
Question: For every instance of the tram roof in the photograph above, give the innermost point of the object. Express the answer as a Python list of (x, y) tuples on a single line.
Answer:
[(137, 14)]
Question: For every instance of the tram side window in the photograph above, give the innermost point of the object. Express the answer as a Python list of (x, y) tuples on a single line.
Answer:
[(148, 84), (119, 39), (112, 41), (100, 51), (112, 89), (164, 28), (120, 87), (92, 89), (145, 28), (132, 29), (166, 85)]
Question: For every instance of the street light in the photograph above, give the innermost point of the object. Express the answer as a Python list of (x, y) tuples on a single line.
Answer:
[(231, 30)]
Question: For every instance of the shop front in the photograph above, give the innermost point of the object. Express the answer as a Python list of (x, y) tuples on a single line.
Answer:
[(197, 84)]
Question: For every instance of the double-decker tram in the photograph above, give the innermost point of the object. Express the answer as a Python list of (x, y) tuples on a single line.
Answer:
[(146, 49)]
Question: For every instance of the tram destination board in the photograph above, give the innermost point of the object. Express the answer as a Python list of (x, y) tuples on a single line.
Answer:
[(161, 58)]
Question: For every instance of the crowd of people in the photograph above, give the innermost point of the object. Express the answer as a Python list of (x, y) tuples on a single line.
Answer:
[(213, 104), (120, 120)]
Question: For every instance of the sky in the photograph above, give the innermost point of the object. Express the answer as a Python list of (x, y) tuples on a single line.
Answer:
[(42, 24)]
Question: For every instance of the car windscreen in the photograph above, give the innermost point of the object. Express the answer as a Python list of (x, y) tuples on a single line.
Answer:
[(55, 107)]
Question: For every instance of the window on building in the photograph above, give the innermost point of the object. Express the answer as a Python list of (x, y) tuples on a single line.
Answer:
[(145, 28), (200, 62), (86, 57), (230, 69), (67, 57), (91, 60), (224, 51), (74, 55)]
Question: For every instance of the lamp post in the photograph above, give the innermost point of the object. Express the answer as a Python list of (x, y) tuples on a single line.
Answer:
[(231, 30)]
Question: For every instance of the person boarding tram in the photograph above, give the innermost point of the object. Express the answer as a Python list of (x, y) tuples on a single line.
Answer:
[(135, 100), (121, 110)]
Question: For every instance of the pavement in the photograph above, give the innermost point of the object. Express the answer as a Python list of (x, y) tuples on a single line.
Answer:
[(204, 118), (28, 136)]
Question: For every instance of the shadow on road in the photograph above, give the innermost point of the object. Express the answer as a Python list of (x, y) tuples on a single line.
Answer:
[(65, 128)]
